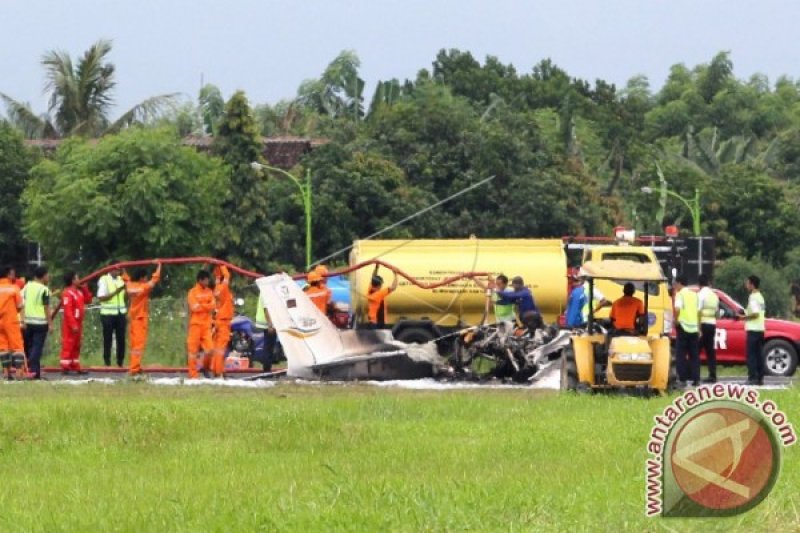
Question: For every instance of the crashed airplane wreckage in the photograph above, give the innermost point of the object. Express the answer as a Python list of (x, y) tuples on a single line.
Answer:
[(315, 349)]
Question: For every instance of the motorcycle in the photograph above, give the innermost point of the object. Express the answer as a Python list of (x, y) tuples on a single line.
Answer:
[(251, 342)]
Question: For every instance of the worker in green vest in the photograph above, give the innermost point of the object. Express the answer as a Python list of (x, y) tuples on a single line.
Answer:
[(755, 326), (38, 320), (504, 313), (687, 348), (597, 297), (113, 313), (270, 335), (709, 307)]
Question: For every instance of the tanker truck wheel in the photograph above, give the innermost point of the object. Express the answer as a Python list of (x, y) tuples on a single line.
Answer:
[(415, 336)]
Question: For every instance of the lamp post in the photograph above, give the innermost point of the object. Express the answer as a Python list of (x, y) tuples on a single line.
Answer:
[(693, 205), (305, 194)]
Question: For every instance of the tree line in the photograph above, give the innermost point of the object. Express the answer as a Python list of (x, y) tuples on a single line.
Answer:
[(569, 156)]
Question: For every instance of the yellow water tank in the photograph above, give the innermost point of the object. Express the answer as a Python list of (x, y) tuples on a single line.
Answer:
[(542, 263)]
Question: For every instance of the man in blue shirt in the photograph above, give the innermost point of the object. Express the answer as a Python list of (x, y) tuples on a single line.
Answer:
[(577, 301), (522, 297)]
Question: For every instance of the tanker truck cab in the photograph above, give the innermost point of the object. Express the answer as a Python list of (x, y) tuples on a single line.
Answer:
[(659, 315)]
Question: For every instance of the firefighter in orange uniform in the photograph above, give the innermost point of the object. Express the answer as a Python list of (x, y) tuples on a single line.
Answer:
[(222, 320), (320, 294), (200, 342), (376, 300), (12, 346), (322, 270), (139, 290)]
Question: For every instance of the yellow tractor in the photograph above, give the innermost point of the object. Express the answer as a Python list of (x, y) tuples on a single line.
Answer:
[(601, 357)]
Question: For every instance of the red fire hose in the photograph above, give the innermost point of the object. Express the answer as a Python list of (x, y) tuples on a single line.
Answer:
[(171, 261), (411, 279), (256, 275)]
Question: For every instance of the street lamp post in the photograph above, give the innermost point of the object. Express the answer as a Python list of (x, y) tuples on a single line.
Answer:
[(693, 205), (305, 194)]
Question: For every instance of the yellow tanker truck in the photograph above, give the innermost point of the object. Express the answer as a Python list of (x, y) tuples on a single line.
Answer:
[(420, 315)]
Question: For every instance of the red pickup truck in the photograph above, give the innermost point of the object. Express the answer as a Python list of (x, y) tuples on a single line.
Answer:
[(781, 346)]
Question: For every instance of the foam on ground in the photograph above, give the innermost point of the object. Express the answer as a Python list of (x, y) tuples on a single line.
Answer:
[(173, 382), (237, 383), (106, 381)]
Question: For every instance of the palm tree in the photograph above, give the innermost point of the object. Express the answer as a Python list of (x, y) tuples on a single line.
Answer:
[(340, 90), (80, 98)]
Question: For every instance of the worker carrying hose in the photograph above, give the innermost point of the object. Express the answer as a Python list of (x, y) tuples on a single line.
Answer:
[(503, 312), (222, 320), (522, 297), (12, 346), (376, 300), (200, 342), (73, 301), (139, 289), (319, 294)]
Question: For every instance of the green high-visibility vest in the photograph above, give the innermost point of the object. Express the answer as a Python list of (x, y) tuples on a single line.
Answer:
[(597, 296), (261, 316), (115, 305), (760, 323), (687, 316), (708, 313), (34, 295), (503, 312)]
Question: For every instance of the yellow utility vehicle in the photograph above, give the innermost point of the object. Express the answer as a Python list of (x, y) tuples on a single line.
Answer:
[(601, 357)]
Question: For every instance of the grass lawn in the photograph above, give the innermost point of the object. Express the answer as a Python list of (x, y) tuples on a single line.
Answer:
[(139, 457)]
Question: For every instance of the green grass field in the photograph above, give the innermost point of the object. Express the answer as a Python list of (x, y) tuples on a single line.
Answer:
[(139, 457)]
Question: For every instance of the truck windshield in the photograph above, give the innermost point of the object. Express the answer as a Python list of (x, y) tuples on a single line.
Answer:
[(653, 288), (626, 256)]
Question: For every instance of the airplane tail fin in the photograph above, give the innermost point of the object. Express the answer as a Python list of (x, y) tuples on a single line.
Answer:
[(316, 349), (307, 336)]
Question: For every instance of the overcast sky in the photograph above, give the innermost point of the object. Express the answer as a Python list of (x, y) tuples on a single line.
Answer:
[(267, 47)]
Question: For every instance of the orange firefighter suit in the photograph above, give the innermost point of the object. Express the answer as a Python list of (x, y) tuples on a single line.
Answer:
[(319, 294), (199, 342), (12, 347), (222, 321), (139, 315)]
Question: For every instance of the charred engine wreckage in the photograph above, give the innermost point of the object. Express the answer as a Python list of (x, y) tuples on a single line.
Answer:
[(317, 350)]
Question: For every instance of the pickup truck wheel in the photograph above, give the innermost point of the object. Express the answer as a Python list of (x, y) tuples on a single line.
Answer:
[(780, 358)]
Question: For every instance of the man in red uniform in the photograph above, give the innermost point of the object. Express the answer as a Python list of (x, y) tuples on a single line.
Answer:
[(12, 349), (73, 301)]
